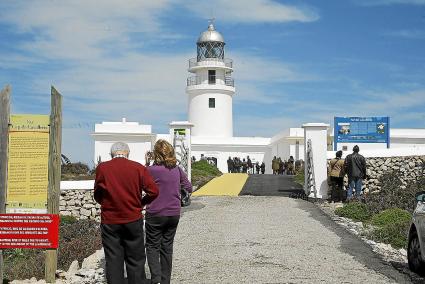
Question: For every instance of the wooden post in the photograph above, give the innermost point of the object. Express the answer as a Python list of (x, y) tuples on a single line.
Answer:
[(4, 140), (55, 142)]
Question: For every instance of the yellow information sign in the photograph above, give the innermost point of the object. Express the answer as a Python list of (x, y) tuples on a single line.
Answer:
[(27, 172)]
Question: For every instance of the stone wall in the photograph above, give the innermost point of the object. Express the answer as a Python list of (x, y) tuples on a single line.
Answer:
[(80, 204), (407, 168)]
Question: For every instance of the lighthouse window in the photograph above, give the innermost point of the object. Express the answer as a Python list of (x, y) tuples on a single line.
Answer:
[(211, 102), (211, 76)]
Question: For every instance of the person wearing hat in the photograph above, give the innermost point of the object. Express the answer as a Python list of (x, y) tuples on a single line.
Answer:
[(119, 186), (355, 167)]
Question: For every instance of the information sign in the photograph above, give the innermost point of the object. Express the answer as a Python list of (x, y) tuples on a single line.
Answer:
[(361, 130), (38, 231), (28, 164)]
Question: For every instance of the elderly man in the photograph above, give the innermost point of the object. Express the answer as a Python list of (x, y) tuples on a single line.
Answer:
[(118, 189)]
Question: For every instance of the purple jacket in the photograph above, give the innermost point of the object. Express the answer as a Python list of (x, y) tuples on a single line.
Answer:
[(169, 182)]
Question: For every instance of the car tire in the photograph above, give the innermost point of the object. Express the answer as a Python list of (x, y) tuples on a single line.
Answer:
[(416, 264)]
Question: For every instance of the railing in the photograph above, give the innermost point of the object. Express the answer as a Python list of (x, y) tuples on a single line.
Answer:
[(310, 186), (211, 80), (193, 62)]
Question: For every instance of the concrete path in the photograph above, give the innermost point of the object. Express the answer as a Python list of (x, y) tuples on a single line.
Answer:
[(270, 240)]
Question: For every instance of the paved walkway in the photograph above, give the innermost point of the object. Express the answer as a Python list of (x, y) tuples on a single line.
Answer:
[(257, 239), (271, 185), (224, 185)]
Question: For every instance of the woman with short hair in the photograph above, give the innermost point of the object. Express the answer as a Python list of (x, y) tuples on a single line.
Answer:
[(163, 214)]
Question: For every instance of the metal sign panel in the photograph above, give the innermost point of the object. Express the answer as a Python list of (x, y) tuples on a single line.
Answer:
[(37, 231), (361, 130), (28, 164)]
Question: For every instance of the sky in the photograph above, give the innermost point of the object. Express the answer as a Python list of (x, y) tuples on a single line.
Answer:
[(294, 61)]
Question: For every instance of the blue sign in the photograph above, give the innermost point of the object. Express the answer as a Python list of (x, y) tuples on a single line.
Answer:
[(361, 130)]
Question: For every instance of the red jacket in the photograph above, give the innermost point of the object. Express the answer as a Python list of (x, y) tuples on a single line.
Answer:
[(118, 189)]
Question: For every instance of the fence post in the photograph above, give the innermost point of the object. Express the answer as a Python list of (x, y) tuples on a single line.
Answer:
[(4, 140), (318, 134), (55, 142)]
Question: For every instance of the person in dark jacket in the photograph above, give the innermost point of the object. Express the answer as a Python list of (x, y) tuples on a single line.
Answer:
[(118, 189), (355, 167), (230, 165), (163, 214), (263, 168)]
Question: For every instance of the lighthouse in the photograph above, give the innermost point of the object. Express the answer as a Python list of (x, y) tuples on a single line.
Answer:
[(210, 88)]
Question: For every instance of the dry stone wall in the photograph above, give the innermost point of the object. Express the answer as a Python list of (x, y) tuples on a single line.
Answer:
[(80, 204), (408, 170)]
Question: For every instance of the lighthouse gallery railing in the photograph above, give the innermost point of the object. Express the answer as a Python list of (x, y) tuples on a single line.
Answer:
[(211, 80)]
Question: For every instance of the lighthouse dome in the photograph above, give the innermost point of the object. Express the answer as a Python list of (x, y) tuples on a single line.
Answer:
[(210, 35)]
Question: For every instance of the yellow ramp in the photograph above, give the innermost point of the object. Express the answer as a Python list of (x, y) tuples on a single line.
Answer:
[(227, 184)]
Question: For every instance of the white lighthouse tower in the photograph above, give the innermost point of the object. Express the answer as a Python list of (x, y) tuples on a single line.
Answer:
[(210, 91)]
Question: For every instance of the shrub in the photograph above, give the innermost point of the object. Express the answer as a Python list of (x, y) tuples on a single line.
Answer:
[(299, 177), (67, 219), (391, 227), (77, 240), (204, 167), (355, 210), (76, 171), (393, 194), (391, 216), (203, 172)]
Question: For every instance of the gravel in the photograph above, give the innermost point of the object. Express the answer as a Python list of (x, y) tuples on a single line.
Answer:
[(265, 240)]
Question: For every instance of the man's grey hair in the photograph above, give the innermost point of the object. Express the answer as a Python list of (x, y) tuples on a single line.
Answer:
[(119, 147)]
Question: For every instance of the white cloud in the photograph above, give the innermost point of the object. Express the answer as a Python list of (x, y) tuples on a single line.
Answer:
[(408, 34), (389, 2), (81, 29), (253, 11)]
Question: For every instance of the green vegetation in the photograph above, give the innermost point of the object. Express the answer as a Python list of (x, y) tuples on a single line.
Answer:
[(391, 226), (77, 240), (76, 171), (203, 172), (354, 210), (393, 194), (299, 177), (391, 216)]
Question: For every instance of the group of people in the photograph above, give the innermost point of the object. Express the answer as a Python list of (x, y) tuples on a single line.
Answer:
[(124, 188), (280, 166), (354, 166), (236, 165)]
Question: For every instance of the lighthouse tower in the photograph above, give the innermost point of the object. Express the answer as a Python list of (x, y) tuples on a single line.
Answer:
[(210, 91)]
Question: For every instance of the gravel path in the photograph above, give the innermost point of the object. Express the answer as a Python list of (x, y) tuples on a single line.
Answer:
[(270, 240)]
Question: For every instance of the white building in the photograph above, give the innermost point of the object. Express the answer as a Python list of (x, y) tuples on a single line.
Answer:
[(209, 129)]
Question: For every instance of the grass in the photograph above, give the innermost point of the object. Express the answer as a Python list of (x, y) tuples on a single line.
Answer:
[(203, 172)]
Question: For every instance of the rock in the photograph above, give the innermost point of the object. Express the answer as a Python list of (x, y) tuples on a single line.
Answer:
[(93, 261), (73, 268), (88, 206), (66, 213), (85, 212)]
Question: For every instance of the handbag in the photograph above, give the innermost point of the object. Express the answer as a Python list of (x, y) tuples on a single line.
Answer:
[(184, 194)]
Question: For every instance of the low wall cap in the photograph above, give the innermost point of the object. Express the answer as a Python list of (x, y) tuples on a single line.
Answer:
[(318, 124)]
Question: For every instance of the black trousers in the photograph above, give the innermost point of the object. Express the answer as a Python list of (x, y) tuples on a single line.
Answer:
[(124, 243), (160, 232)]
